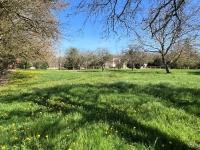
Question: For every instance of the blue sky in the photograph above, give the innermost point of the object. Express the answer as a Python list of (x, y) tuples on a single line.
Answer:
[(89, 39)]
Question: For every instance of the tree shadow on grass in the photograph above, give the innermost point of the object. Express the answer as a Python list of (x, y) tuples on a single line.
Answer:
[(90, 70), (183, 98), (70, 98), (194, 72), (140, 71)]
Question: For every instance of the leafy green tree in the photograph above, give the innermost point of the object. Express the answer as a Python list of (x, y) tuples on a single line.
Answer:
[(73, 59)]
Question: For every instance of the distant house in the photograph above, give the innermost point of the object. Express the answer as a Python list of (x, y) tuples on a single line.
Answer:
[(143, 66), (116, 62), (32, 67)]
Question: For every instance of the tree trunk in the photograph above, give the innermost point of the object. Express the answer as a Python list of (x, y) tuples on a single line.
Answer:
[(167, 68), (132, 66), (166, 65), (102, 68)]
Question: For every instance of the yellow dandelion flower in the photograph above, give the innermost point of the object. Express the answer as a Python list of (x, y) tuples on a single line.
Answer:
[(1, 127), (38, 136), (47, 136), (69, 149), (15, 138), (28, 139), (3, 147), (40, 112), (13, 124)]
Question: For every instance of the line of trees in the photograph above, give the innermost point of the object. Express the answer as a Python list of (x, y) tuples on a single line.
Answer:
[(182, 55), (75, 59)]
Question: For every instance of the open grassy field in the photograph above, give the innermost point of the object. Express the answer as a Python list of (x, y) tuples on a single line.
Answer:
[(94, 110)]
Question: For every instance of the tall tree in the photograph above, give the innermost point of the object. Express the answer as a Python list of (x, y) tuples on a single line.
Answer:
[(28, 28), (73, 58), (134, 55), (103, 56), (88, 58), (167, 30)]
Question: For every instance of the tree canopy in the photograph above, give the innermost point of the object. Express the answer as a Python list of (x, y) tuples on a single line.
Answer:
[(27, 29), (123, 16)]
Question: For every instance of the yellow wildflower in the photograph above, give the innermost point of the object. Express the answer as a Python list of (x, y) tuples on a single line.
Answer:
[(38, 136), (3, 147), (15, 138), (28, 139)]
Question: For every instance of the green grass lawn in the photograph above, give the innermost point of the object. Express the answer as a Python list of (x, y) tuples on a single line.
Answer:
[(94, 110)]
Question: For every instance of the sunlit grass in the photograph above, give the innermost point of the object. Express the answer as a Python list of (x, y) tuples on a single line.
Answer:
[(115, 109)]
